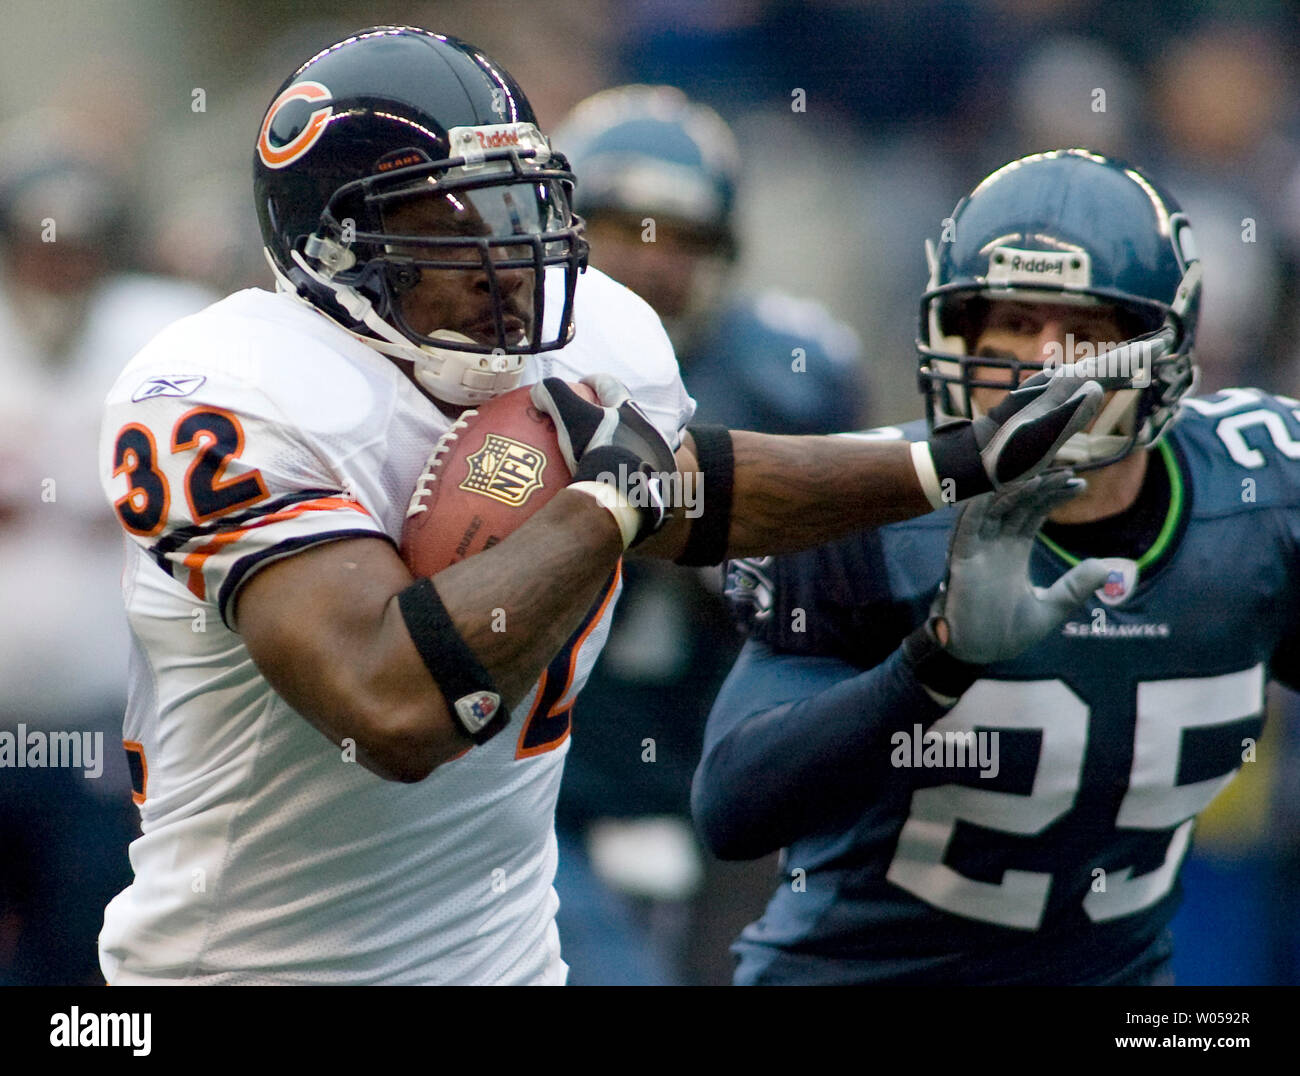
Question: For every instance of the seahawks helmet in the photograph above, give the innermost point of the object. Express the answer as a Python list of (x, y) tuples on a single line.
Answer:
[(650, 149), (1066, 227), (393, 114)]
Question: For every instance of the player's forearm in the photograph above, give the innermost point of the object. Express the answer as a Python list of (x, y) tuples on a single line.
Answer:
[(326, 629), (516, 604), (791, 493), (772, 776), (795, 492)]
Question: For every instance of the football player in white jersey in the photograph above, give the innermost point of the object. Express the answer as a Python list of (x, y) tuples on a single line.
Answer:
[(313, 731)]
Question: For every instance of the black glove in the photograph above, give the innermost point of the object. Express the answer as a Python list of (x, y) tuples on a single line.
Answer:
[(1019, 437), (611, 442)]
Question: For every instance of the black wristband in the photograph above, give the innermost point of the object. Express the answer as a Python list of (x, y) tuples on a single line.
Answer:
[(956, 457), (627, 473), (472, 698), (934, 667), (711, 532)]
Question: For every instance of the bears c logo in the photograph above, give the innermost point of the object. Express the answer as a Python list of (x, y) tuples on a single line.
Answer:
[(292, 126)]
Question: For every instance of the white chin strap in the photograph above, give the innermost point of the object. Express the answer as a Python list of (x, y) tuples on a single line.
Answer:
[(458, 377)]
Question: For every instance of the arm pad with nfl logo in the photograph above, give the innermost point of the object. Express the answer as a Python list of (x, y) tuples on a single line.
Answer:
[(473, 700)]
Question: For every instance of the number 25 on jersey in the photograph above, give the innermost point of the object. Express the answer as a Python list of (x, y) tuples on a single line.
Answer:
[(217, 438)]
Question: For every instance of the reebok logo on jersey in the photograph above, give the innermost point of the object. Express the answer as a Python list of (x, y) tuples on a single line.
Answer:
[(170, 385)]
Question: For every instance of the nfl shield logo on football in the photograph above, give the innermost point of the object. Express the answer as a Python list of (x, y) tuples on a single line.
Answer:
[(506, 470), (1121, 578)]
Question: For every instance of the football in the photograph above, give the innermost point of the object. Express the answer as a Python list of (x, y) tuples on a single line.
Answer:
[(498, 464)]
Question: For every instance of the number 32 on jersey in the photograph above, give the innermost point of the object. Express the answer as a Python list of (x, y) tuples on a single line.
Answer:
[(216, 438)]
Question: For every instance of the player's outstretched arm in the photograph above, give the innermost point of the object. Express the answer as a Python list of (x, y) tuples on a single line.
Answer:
[(793, 741), (767, 494), (325, 628), (793, 492)]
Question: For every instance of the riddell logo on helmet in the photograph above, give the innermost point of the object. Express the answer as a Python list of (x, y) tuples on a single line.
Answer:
[(1037, 265), (296, 97), (1008, 265), (473, 142), (497, 139)]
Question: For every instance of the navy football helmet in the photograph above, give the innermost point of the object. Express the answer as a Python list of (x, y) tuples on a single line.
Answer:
[(650, 149), (391, 114), (1069, 227)]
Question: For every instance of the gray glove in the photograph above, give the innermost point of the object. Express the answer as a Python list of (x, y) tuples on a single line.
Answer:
[(991, 609)]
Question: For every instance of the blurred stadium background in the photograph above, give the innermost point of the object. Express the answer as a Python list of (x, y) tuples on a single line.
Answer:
[(131, 124)]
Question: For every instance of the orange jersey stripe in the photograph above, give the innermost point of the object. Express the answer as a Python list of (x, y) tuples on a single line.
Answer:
[(577, 645), (195, 561)]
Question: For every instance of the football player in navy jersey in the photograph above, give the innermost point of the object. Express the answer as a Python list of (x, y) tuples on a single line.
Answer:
[(1019, 821)]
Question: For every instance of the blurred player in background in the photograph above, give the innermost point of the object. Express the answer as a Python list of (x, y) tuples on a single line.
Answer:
[(1055, 858), (313, 732), (72, 311), (658, 179)]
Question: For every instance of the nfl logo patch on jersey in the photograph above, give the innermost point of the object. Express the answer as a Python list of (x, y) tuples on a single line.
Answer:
[(1121, 578), (476, 710)]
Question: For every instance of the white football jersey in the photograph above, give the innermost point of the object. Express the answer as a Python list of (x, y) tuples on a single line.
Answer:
[(243, 434)]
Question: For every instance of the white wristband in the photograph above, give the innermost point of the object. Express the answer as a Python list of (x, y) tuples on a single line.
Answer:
[(627, 517), (923, 463)]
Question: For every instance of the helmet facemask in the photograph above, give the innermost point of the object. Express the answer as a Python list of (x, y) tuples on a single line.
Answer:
[(500, 214), (1134, 415)]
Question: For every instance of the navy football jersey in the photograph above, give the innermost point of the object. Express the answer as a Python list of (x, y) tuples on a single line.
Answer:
[(1034, 831)]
